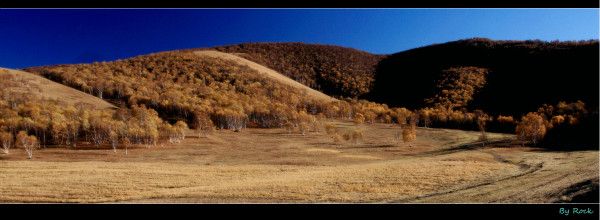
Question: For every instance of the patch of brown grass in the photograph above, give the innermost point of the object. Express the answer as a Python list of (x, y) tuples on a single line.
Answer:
[(36, 181), (264, 165)]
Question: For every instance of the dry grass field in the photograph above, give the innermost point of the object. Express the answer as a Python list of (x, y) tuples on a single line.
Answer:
[(270, 165)]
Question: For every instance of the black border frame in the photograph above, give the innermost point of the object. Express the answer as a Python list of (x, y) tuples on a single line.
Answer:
[(303, 211), (283, 211)]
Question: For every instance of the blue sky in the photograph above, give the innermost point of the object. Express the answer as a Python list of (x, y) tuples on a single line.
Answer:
[(42, 37)]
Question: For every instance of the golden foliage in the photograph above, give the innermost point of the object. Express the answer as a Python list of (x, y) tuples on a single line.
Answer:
[(409, 131), (457, 87), (334, 70), (532, 127)]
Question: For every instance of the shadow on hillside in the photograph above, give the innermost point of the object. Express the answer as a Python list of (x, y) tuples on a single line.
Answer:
[(522, 75)]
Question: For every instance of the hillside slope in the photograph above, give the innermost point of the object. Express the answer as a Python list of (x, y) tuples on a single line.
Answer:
[(47, 89), (204, 88), (334, 70), (521, 75), (271, 74)]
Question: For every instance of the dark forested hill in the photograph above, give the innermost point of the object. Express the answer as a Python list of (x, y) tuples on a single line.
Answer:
[(521, 75)]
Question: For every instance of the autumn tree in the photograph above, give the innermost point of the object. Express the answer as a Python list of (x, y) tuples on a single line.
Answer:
[(126, 142), (354, 135), (203, 124), (482, 119), (179, 129), (167, 130), (409, 131), (505, 119), (557, 120), (6, 139), (27, 142), (303, 122), (98, 129), (532, 127), (333, 132), (359, 118), (73, 125), (303, 127), (115, 129)]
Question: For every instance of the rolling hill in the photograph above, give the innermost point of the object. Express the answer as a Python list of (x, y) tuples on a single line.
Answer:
[(204, 88), (46, 89)]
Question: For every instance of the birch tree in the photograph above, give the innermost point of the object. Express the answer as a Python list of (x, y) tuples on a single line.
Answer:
[(6, 139)]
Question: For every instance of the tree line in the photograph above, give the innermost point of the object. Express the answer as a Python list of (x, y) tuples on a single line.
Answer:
[(30, 122)]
